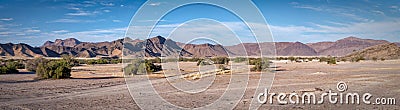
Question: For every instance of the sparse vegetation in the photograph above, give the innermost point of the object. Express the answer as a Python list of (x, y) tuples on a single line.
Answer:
[(100, 61), (140, 67), (222, 67), (195, 59), (220, 60), (292, 59), (8, 67), (374, 59), (239, 59), (357, 59), (261, 64), (331, 60), (382, 59), (55, 69), (203, 62), (31, 65)]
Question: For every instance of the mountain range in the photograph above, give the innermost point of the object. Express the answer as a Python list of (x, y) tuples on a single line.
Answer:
[(159, 46)]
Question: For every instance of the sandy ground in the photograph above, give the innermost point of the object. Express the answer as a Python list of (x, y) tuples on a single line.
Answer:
[(102, 87)]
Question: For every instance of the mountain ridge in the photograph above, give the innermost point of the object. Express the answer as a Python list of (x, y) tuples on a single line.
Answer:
[(159, 46)]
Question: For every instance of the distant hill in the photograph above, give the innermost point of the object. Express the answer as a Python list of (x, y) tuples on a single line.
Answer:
[(159, 46), (397, 43), (386, 51), (204, 50), (348, 45)]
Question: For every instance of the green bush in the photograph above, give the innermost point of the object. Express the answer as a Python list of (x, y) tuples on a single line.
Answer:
[(31, 65), (261, 64), (54, 69), (70, 60), (141, 67), (331, 61), (357, 59), (203, 62), (91, 62), (220, 60), (292, 58), (239, 59), (9, 67), (222, 67), (323, 59), (374, 59)]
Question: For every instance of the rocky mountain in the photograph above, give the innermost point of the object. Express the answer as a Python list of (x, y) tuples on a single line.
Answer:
[(348, 45), (70, 42), (159, 46), (294, 49), (319, 46), (23, 50), (386, 51), (282, 49), (204, 50), (153, 47)]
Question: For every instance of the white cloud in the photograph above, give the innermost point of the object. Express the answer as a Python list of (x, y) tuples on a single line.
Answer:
[(82, 13), (60, 31), (155, 4), (107, 11), (71, 21), (379, 12), (309, 7), (6, 19), (32, 31), (107, 4), (116, 21)]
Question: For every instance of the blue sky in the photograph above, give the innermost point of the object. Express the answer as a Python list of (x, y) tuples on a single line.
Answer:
[(36, 21)]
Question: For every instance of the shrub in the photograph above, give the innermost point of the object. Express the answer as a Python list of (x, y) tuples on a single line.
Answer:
[(323, 59), (203, 62), (344, 59), (222, 67), (374, 59), (69, 60), (310, 59), (331, 61), (116, 61), (261, 64), (357, 59), (54, 69), (220, 60), (91, 62), (239, 59), (292, 58), (139, 67), (31, 65), (9, 67), (382, 59)]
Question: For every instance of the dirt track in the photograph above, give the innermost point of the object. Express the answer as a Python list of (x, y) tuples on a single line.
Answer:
[(94, 87)]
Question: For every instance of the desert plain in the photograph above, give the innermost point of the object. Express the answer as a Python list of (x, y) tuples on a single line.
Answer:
[(103, 86)]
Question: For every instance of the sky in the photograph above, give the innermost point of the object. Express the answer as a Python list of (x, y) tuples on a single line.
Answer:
[(36, 21)]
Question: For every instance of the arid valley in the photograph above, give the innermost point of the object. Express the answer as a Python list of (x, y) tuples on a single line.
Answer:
[(103, 86)]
